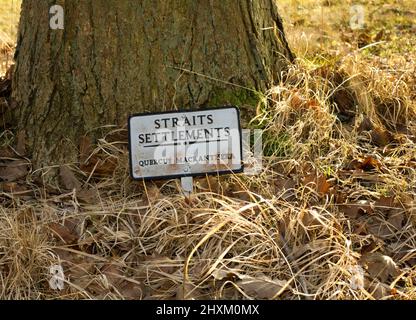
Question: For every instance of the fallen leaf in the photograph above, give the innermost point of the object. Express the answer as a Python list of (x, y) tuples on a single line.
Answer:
[(282, 183), (378, 290), (368, 164), (63, 233), (365, 125), (296, 101), (26, 216), (131, 290), (310, 218), (113, 273), (15, 188), (380, 266), (313, 246), (229, 274), (340, 197), (68, 179), (353, 210), (385, 202), (208, 183), (379, 35), (14, 170), (186, 292), (319, 183), (313, 104), (369, 247), (242, 195), (381, 137), (363, 39), (396, 220), (120, 136), (88, 195), (360, 228), (261, 287), (379, 227)]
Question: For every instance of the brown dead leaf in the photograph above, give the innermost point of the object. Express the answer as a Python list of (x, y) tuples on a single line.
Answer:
[(16, 189), (380, 266), (100, 167), (113, 273), (68, 179), (107, 166), (365, 125), (310, 218), (373, 244), (363, 39), (313, 104), (242, 195), (381, 137), (319, 183), (385, 202), (396, 219), (208, 183), (368, 164), (78, 267), (261, 287), (187, 292), (377, 289), (14, 170), (88, 195), (353, 210), (131, 290), (284, 187), (350, 211), (340, 197), (361, 228), (283, 183), (379, 227), (63, 233), (402, 252), (296, 101), (228, 274)]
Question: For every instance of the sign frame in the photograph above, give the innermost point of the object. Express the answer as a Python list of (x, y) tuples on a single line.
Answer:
[(196, 174)]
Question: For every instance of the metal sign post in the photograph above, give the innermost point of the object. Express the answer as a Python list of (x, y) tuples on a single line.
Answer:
[(187, 184)]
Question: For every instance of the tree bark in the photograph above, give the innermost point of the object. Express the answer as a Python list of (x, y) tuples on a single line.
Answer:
[(118, 57)]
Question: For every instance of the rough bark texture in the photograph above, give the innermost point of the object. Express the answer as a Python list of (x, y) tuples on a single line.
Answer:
[(118, 57)]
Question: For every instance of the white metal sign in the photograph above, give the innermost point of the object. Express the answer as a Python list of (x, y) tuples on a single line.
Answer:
[(185, 143)]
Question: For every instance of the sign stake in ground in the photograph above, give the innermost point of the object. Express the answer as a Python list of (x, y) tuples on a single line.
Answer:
[(187, 184), (184, 144)]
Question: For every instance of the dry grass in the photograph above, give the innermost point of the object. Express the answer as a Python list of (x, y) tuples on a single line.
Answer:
[(336, 195), (9, 17)]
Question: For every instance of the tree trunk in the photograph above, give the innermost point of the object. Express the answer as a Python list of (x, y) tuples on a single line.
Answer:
[(118, 57)]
